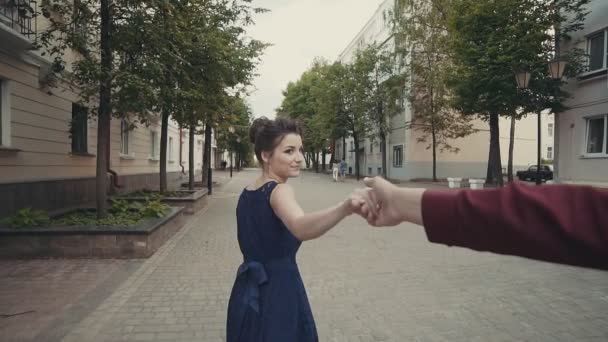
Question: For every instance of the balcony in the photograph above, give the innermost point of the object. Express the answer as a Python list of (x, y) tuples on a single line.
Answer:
[(18, 22)]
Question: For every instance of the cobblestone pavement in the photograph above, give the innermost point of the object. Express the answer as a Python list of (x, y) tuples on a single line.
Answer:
[(42, 299), (364, 284)]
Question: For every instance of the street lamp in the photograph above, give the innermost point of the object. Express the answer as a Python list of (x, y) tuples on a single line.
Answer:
[(556, 68), (231, 130), (238, 166), (522, 77)]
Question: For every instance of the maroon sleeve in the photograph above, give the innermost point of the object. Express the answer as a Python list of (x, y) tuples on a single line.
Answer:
[(558, 223)]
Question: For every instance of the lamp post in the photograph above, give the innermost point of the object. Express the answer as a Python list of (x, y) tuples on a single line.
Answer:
[(238, 154), (231, 130), (556, 71)]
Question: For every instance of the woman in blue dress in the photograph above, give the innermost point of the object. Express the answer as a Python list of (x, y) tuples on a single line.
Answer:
[(268, 301)]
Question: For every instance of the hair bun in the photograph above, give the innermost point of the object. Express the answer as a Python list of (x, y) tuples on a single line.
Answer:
[(258, 125)]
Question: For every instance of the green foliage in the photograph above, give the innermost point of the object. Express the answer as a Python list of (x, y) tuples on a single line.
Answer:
[(122, 213), (424, 49), (492, 39), (154, 209), (27, 218), (139, 59)]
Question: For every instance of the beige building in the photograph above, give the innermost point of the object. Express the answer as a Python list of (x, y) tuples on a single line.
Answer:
[(582, 130), (409, 159), (48, 145)]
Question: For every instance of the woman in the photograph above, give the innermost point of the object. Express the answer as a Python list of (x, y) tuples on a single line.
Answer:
[(335, 171), (268, 301)]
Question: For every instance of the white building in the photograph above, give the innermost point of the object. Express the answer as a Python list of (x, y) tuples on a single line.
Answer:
[(408, 159), (47, 145), (582, 130)]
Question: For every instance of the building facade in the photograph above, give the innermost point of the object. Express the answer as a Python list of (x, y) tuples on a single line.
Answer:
[(48, 142), (408, 159), (582, 130)]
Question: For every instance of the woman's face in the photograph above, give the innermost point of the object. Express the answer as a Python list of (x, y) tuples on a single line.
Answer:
[(286, 159)]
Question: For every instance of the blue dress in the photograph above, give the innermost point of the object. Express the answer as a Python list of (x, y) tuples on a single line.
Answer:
[(268, 301)]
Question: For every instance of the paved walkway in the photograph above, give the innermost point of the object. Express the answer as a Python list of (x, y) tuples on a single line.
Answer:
[(364, 285)]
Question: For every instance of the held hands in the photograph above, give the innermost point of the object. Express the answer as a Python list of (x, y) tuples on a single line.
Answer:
[(385, 204), (354, 203)]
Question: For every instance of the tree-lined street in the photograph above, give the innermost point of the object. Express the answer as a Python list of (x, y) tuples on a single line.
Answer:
[(365, 284)]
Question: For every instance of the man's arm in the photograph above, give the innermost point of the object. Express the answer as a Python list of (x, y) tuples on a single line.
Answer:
[(563, 224)]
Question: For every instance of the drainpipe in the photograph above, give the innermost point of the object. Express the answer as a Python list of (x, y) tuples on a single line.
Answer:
[(112, 172), (180, 151)]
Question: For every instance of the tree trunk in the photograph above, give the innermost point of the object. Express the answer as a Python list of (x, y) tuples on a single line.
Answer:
[(357, 174), (343, 148), (496, 167), (316, 161), (384, 155), (511, 145), (164, 129), (105, 110), (434, 137), (207, 152), (324, 152), (191, 157), (332, 159), (101, 175), (307, 159)]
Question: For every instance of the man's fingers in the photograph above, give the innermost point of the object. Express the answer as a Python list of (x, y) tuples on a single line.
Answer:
[(369, 182)]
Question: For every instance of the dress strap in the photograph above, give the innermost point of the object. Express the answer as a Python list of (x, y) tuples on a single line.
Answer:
[(268, 188)]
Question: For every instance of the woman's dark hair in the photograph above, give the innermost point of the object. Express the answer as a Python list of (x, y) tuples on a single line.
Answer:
[(266, 134)]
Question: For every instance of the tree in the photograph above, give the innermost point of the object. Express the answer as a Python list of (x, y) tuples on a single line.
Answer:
[(90, 32), (208, 54), (490, 39), (422, 41), (300, 103), (389, 86)]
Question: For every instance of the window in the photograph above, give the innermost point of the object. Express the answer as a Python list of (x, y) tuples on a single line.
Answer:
[(596, 48), (125, 138), (154, 144), (352, 146), (550, 129), (371, 147), (79, 129), (549, 152), (379, 170), (170, 150), (5, 113), (596, 135), (369, 171), (398, 156)]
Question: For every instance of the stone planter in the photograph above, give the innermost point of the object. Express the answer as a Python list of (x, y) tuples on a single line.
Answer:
[(454, 183), (140, 241), (195, 201), (477, 183)]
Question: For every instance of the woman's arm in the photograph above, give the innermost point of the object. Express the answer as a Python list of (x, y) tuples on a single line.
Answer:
[(313, 225)]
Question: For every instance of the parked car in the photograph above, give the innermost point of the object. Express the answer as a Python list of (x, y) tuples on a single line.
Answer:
[(546, 173)]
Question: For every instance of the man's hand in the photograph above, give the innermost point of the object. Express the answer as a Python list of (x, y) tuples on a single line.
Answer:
[(388, 205)]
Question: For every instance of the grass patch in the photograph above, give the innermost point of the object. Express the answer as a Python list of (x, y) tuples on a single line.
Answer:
[(121, 214), (153, 194)]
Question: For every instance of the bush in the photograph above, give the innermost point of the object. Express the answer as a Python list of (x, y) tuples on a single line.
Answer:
[(27, 218), (122, 213)]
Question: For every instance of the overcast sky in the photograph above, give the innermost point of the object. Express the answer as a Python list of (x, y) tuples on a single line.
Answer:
[(300, 31)]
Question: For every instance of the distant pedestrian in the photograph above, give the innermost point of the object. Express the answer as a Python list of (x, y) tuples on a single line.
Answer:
[(335, 171), (342, 169)]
